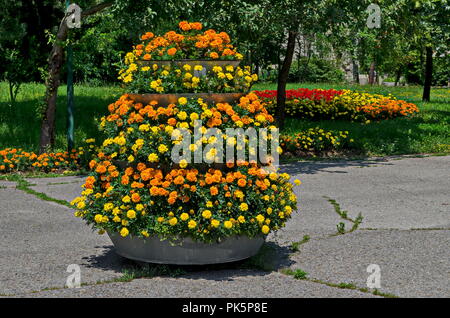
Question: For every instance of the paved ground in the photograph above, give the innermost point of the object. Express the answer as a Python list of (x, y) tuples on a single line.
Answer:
[(405, 204)]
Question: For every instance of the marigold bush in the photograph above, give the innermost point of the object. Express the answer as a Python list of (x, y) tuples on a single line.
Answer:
[(338, 104)]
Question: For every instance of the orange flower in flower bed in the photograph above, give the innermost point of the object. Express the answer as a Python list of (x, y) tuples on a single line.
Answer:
[(13, 160), (386, 108)]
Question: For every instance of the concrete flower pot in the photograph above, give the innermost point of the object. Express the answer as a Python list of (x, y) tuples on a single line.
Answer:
[(207, 64), (185, 251)]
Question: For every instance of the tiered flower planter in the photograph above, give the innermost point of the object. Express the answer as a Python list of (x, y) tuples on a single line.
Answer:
[(208, 222)]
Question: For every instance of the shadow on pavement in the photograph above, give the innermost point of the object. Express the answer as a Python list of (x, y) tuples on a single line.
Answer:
[(271, 257), (312, 167)]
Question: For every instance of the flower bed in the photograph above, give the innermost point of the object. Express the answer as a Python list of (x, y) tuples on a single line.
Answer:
[(338, 104), (19, 160), (315, 141)]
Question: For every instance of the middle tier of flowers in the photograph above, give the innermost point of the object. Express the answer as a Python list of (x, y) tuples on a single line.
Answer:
[(188, 77)]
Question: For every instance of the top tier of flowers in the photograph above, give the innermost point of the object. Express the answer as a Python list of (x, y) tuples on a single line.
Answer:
[(191, 61), (189, 43)]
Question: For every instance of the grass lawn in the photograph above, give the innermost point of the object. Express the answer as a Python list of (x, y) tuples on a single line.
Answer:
[(427, 132)]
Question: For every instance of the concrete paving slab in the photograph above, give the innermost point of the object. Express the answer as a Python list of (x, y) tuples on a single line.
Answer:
[(39, 239), (412, 263), (56, 180), (7, 184), (390, 193), (65, 191), (209, 284)]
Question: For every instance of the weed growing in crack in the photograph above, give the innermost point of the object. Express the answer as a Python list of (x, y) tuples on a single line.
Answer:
[(297, 274), (344, 215), (295, 246)]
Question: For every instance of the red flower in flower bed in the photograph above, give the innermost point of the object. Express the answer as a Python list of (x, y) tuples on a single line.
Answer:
[(301, 93)]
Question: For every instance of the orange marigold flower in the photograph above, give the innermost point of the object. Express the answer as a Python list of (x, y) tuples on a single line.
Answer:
[(135, 197), (125, 180), (100, 168), (172, 51), (214, 190), (242, 182)]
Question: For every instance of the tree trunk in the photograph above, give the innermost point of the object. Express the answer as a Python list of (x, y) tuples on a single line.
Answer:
[(299, 57), (283, 77), (55, 63), (355, 71), (52, 82), (398, 76), (372, 74), (428, 74)]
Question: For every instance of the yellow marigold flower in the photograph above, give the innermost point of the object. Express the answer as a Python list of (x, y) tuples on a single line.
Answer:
[(260, 218), (173, 221), (124, 232), (130, 158), (182, 115), (98, 218), (183, 163), (153, 157), (243, 206), (126, 199), (184, 216), (206, 214), (194, 116), (139, 207), (228, 224), (162, 148), (160, 219), (108, 206), (215, 223), (192, 224), (269, 211), (145, 233), (187, 67), (198, 68), (81, 205), (117, 219), (131, 214), (241, 219), (265, 229)]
